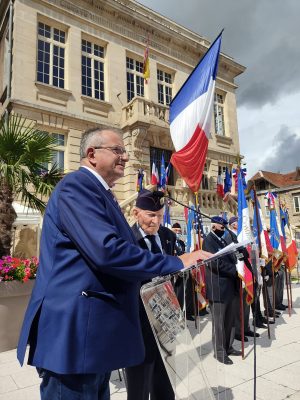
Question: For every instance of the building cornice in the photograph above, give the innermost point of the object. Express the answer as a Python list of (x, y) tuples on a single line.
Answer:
[(64, 114), (225, 157), (165, 36)]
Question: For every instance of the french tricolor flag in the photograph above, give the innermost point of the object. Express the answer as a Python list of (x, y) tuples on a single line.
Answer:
[(191, 116), (244, 233), (154, 175)]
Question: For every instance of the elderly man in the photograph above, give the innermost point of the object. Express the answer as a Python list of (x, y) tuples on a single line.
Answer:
[(150, 377), (82, 320), (222, 285)]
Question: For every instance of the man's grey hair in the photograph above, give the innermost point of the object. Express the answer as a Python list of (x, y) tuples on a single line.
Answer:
[(93, 137)]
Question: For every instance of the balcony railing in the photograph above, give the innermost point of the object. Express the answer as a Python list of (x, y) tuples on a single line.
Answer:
[(142, 110), (209, 201)]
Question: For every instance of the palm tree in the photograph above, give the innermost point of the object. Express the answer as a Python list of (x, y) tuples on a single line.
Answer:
[(24, 152)]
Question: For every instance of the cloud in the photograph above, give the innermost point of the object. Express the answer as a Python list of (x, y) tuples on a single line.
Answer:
[(262, 35), (285, 154)]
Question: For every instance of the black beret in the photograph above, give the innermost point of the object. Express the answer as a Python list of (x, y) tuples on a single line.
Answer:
[(219, 220), (151, 201), (232, 220), (176, 225)]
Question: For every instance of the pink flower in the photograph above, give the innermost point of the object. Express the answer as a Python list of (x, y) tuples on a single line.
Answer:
[(12, 268)]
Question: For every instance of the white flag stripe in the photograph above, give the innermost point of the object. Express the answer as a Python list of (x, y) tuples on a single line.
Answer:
[(199, 112)]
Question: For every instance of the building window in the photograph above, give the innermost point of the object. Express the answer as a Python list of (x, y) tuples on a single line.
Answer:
[(205, 180), (135, 80), (92, 70), (219, 114), (164, 87), (58, 156), (4, 67), (51, 55), (156, 155), (296, 203), (222, 170), (261, 185)]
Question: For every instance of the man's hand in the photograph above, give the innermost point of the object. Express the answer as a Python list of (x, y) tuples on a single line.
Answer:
[(190, 259)]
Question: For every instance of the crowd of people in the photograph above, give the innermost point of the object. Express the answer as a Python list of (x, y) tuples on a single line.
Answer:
[(85, 317)]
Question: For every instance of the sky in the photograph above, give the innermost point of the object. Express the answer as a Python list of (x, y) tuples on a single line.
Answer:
[(264, 36)]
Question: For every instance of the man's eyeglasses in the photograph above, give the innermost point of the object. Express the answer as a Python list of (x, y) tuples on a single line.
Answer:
[(118, 150)]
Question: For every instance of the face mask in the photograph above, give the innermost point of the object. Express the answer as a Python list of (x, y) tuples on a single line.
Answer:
[(219, 233), (178, 235)]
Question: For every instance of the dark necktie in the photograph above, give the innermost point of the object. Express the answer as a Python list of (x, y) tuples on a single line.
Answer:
[(113, 197), (154, 246)]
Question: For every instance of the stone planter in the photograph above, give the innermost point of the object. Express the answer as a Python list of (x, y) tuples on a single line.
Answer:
[(14, 297)]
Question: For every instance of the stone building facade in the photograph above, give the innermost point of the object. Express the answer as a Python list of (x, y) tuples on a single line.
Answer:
[(70, 65)]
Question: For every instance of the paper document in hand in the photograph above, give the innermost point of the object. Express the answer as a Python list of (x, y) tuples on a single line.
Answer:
[(231, 248)]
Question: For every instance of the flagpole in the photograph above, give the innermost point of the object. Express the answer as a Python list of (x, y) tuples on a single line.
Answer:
[(193, 281), (238, 170), (260, 254), (287, 289), (290, 281), (273, 291), (242, 330), (273, 275)]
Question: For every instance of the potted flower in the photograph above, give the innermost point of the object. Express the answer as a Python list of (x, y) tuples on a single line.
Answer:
[(16, 283), (17, 269)]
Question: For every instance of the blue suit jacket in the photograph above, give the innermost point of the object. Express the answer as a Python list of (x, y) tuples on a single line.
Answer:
[(83, 316)]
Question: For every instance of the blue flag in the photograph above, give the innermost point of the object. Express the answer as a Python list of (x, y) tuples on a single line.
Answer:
[(274, 232), (163, 174), (167, 219), (227, 181), (140, 178), (284, 219), (189, 228)]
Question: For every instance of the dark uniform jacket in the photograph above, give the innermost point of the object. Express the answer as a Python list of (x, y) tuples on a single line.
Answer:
[(168, 240), (221, 277)]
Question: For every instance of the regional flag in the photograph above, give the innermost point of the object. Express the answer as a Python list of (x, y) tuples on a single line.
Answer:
[(146, 66), (140, 180), (191, 116), (163, 173), (244, 233), (227, 181)]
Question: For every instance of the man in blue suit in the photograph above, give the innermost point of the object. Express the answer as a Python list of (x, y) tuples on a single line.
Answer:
[(83, 317)]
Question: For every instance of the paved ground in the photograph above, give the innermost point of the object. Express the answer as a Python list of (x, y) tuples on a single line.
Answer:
[(278, 366)]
